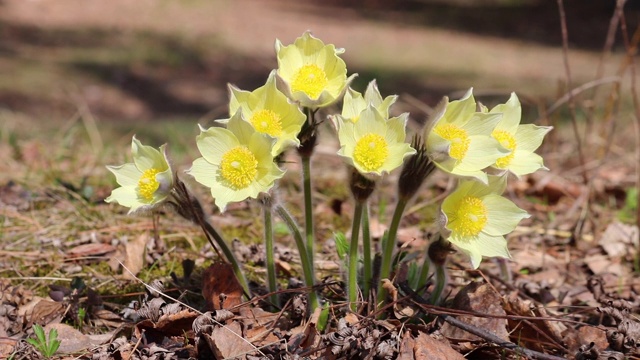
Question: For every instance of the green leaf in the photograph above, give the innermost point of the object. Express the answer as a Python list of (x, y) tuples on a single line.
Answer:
[(342, 245)]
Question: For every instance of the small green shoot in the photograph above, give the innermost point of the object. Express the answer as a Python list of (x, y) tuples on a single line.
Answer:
[(342, 245), (46, 345)]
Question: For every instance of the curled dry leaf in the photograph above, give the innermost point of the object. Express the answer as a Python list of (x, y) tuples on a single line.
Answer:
[(220, 287)]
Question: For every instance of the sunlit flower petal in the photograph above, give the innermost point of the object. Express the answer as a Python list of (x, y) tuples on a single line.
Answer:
[(459, 139), (476, 218), (270, 112), (520, 140), (146, 182), (374, 145), (236, 163), (310, 72)]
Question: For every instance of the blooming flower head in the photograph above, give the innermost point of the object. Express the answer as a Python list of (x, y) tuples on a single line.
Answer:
[(236, 162), (310, 72), (354, 103), (144, 183), (459, 140), (270, 112), (374, 145), (476, 218), (520, 140)]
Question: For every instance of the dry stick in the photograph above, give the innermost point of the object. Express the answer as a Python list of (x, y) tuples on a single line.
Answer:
[(606, 52), (489, 336), (572, 103), (631, 50)]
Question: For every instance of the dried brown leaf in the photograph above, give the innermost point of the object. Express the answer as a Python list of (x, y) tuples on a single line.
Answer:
[(220, 287), (134, 256)]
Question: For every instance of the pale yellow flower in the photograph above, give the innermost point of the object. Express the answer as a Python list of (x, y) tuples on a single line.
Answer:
[(459, 139), (520, 140), (310, 72), (354, 103), (145, 183), (374, 145), (236, 162), (476, 218), (270, 112)]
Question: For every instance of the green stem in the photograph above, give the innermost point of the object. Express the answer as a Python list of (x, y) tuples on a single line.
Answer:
[(424, 274), (229, 255), (352, 284), (390, 246), (268, 244), (441, 282), (307, 267), (366, 251), (308, 206)]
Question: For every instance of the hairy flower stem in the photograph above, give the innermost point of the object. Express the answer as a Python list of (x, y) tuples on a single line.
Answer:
[(366, 251), (268, 244), (308, 206), (352, 284), (227, 254), (390, 246), (421, 280), (307, 266), (441, 282), (190, 208)]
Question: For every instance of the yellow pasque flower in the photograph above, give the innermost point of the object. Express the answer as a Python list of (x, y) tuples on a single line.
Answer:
[(236, 162), (310, 72), (270, 112), (354, 103), (459, 140), (144, 183), (374, 145), (476, 218), (520, 140)]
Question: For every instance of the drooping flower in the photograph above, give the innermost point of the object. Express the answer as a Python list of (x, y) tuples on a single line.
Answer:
[(459, 140), (146, 182), (310, 72), (374, 145), (354, 103), (520, 140), (270, 112), (476, 218), (236, 162)]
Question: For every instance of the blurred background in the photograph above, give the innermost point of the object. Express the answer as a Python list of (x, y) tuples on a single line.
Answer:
[(138, 61)]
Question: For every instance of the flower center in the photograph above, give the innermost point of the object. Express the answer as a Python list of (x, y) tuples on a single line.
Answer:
[(267, 122), (147, 185), (469, 218), (239, 167), (371, 152), (458, 138), (310, 79), (508, 141)]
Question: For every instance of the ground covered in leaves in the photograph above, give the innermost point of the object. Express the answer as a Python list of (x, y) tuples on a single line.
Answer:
[(119, 287)]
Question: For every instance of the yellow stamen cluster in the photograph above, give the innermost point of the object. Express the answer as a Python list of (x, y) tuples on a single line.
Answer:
[(267, 122), (371, 152), (469, 218), (239, 167), (310, 79), (508, 141), (147, 185), (457, 136)]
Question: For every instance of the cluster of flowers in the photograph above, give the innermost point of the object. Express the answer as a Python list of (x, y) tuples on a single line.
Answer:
[(465, 139)]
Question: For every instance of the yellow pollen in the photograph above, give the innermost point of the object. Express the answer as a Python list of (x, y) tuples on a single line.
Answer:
[(310, 79), (267, 122), (457, 136), (469, 218), (147, 185), (239, 167), (508, 141), (371, 152)]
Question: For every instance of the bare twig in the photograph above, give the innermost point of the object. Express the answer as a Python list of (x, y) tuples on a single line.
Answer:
[(572, 103)]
